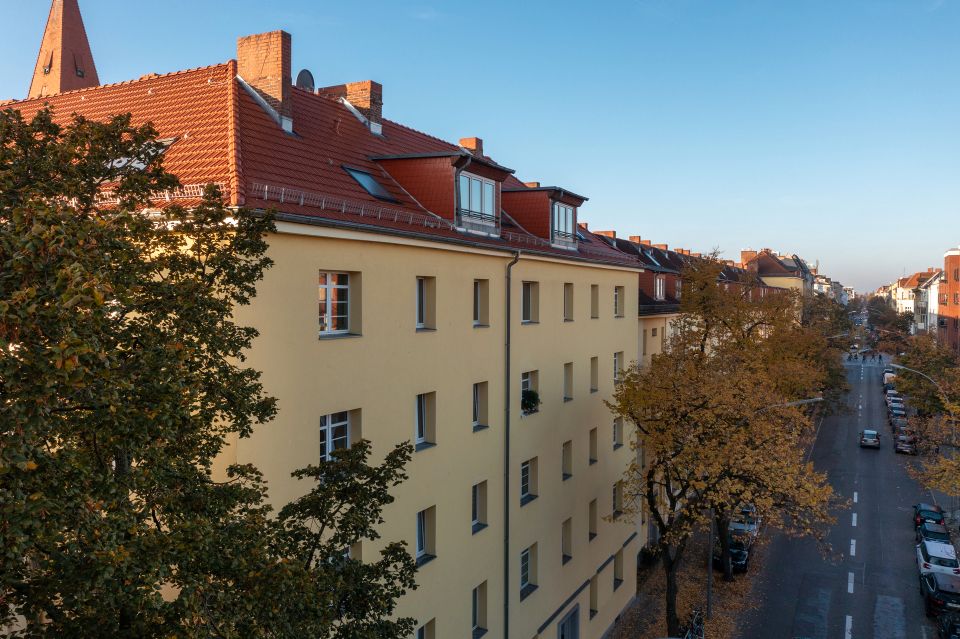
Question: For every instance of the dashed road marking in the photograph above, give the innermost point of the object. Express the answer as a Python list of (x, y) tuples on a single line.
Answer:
[(850, 582), (853, 547), (854, 521), (848, 633), (854, 496)]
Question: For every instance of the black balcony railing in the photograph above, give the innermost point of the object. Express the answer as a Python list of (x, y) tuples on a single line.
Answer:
[(658, 309)]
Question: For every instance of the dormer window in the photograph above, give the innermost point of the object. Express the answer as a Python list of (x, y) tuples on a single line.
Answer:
[(370, 184), (659, 287), (562, 232), (478, 203)]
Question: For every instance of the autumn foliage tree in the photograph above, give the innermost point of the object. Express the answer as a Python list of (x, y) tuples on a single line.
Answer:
[(716, 421), (121, 378)]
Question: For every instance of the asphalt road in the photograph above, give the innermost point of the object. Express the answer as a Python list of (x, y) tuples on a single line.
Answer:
[(868, 588)]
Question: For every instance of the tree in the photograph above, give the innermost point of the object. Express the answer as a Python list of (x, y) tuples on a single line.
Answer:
[(924, 353), (121, 378), (713, 430)]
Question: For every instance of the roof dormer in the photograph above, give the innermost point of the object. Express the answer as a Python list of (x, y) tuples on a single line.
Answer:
[(549, 212)]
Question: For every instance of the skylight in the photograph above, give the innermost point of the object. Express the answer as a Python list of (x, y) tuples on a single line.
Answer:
[(370, 184)]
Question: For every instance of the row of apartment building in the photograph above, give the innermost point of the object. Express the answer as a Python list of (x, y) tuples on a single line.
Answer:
[(931, 297), (421, 292)]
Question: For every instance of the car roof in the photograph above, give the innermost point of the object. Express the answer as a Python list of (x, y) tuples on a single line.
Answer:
[(872, 432), (947, 583), (926, 506), (940, 549), (933, 527)]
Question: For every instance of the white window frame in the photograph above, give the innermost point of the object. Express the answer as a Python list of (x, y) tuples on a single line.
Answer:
[(420, 415), (421, 534), (525, 479), (524, 568), (475, 505), (562, 223), (526, 301), (616, 301), (617, 367), (476, 302), (476, 405), (659, 287), (526, 382), (327, 437), (421, 302), (326, 316), (476, 181)]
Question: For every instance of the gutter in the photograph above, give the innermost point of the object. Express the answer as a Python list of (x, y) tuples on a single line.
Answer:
[(506, 452)]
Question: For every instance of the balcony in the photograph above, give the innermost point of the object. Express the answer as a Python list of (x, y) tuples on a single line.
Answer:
[(563, 240), (475, 222), (658, 308)]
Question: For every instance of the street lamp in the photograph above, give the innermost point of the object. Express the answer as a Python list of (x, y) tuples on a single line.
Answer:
[(713, 523)]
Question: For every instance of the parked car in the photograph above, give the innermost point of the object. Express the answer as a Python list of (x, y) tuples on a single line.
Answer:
[(739, 552), (905, 445), (869, 439), (898, 423), (933, 532), (746, 521), (927, 512), (948, 626), (897, 412), (936, 556), (941, 593)]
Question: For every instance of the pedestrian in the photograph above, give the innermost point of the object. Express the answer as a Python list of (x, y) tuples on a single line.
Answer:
[(880, 355)]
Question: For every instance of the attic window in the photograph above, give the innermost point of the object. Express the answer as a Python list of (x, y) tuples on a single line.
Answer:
[(370, 184), (563, 223), (76, 65)]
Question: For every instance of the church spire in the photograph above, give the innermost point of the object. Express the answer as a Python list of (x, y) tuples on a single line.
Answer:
[(65, 62)]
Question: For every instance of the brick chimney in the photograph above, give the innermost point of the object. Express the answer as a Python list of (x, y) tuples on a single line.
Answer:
[(747, 255), (635, 239), (646, 242), (662, 247), (474, 145), (264, 64), (532, 185), (584, 226), (610, 234), (364, 98)]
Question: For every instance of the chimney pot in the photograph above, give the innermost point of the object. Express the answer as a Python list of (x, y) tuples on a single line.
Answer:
[(474, 145), (264, 63)]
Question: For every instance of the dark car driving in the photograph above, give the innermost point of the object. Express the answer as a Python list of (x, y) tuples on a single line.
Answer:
[(941, 593), (932, 532), (927, 512)]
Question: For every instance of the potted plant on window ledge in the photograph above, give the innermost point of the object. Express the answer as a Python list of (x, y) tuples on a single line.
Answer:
[(529, 402)]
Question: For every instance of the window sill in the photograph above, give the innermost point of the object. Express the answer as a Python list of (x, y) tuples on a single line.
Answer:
[(594, 390), (479, 632), (529, 322), (593, 461), (477, 527), (568, 399), (423, 446), (617, 583), (591, 536), (478, 427), (527, 590), (567, 320), (619, 316), (426, 329), (323, 337), (526, 499), (527, 413), (475, 325), (425, 559), (594, 317), (593, 613), (566, 559), (617, 514), (567, 476), (617, 446)]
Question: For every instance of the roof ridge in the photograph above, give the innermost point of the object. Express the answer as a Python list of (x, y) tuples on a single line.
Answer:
[(145, 78)]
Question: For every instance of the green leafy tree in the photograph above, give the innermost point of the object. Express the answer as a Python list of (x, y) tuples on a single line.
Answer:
[(121, 379)]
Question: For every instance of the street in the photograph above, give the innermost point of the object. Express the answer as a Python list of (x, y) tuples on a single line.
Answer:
[(869, 586)]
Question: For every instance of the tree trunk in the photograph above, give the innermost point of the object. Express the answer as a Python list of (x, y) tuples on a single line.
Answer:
[(723, 532), (670, 572)]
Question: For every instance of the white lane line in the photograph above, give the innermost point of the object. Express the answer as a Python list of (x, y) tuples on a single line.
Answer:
[(850, 583), (854, 496), (848, 633), (854, 521), (853, 547)]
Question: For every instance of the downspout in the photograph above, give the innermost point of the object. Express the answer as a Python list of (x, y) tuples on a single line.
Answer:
[(506, 453)]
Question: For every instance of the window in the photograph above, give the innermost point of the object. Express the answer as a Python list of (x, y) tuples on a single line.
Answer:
[(569, 626), (425, 421), (679, 288), (426, 303), (481, 302), (568, 302), (334, 303), (530, 303), (593, 446), (592, 529), (653, 332), (568, 381), (617, 433), (566, 460), (528, 481), (334, 434), (644, 341), (563, 224), (479, 406), (659, 287), (618, 569), (370, 184), (594, 374), (478, 615), (478, 507), (478, 199), (528, 571), (529, 392), (426, 529), (427, 630), (617, 366), (594, 301), (956, 275), (594, 596), (566, 541), (617, 494), (618, 301)]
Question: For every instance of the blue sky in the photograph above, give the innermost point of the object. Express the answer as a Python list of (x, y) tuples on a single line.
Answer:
[(829, 129)]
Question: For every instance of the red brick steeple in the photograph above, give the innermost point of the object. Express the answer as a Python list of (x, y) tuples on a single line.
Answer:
[(65, 62)]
